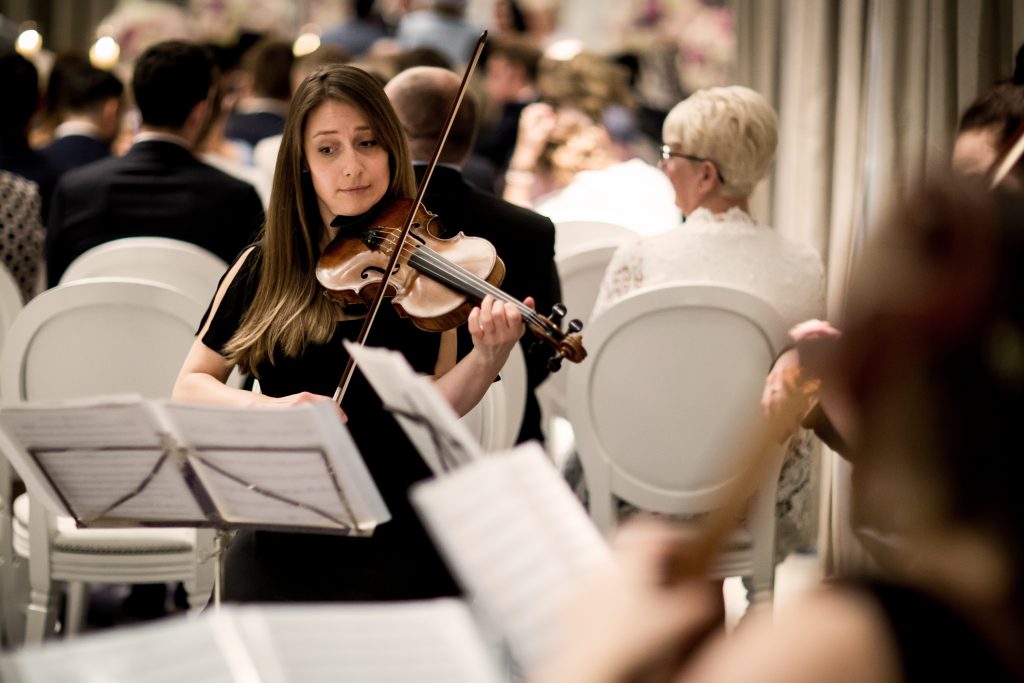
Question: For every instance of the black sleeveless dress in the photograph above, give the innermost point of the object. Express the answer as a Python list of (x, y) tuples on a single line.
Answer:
[(399, 561)]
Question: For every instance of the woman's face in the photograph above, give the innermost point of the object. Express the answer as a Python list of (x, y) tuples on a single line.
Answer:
[(347, 164)]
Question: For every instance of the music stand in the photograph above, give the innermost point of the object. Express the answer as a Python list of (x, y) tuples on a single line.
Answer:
[(128, 462)]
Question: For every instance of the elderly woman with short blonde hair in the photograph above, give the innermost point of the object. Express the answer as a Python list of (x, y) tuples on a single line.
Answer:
[(719, 143)]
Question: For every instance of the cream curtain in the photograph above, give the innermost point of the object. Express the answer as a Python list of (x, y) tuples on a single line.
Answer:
[(868, 94)]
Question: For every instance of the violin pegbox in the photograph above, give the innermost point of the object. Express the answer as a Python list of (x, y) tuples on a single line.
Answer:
[(567, 346)]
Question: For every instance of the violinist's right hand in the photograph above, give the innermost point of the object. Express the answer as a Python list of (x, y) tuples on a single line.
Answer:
[(299, 399)]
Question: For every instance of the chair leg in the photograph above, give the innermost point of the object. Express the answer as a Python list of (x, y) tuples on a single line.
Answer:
[(198, 596), (40, 615), (77, 603), (15, 594)]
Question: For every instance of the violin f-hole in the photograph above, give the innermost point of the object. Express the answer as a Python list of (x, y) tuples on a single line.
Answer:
[(368, 270)]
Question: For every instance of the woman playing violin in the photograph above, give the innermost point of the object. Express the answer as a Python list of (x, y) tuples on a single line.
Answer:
[(343, 158)]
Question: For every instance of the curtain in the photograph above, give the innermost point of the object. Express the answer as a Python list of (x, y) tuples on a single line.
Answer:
[(868, 93)]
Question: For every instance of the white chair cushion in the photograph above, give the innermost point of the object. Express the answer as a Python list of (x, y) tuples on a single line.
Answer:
[(71, 539)]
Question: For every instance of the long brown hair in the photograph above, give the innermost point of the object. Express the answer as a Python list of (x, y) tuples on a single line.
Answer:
[(288, 310)]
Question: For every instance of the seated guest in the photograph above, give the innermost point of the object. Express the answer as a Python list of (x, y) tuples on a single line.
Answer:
[(21, 232), (266, 89), (986, 127), (525, 241), (21, 99), (510, 82), (440, 24), (159, 188), (357, 34), (575, 157), (90, 109), (719, 143), (929, 369)]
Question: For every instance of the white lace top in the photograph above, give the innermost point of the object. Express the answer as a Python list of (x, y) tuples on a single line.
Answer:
[(727, 248)]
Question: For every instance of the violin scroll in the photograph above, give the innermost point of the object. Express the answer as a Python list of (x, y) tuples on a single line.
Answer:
[(567, 346)]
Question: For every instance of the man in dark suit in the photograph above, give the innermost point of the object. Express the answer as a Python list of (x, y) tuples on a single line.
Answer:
[(91, 101), (524, 240), (267, 89), (159, 188)]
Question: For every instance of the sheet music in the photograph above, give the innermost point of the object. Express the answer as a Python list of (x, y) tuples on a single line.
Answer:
[(106, 422), (516, 538), (103, 425), (419, 407), (427, 642), (279, 451), (166, 651), (95, 480), (296, 475)]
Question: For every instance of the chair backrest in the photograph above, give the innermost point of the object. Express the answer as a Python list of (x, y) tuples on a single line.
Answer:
[(573, 235), (184, 265), (10, 302), (673, 375), (580, 271), (99, 336), (496, 420)]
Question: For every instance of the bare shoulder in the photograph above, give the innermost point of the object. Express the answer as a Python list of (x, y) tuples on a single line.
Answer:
[(831, 635)]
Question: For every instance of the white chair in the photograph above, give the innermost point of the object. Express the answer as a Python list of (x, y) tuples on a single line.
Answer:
[(673, 376), (573, 235), (184, 265), (86, 338), (496, 420), (10, 304), (580, 270)]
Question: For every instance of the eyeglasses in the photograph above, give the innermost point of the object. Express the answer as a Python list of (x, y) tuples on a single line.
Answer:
[(667, 153)]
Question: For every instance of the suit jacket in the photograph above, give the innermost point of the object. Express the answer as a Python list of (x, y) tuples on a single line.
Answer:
[(72, 151), (251, 127), (158, 189), (524, 240)]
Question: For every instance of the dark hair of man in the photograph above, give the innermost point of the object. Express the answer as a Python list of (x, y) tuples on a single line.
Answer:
[(21, 94), (270, 64), (1000, 108), (517, 51), (421, 56), (170, 79), (364, 9), (87, 88)]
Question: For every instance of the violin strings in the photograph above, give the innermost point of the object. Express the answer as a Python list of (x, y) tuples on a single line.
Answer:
[(458, 275)]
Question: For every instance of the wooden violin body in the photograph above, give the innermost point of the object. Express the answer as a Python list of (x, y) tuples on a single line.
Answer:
[(435, 282), (352, 268)]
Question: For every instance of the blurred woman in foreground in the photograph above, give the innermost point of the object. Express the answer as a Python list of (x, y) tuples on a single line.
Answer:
[(929, 373)]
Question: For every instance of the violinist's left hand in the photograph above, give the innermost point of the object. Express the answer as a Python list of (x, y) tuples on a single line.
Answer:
[(496, 326)]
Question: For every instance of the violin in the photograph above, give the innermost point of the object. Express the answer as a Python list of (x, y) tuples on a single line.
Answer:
[(435, 282)]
